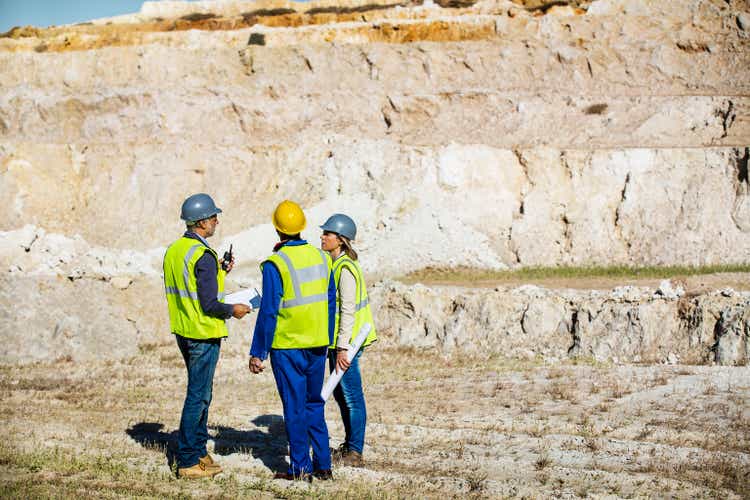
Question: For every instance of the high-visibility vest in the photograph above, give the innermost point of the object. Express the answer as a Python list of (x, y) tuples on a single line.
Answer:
[(186, 317), (362, 311), (302, 320)]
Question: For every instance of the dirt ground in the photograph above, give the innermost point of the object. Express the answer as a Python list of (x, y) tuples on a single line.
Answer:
[(437, 427)]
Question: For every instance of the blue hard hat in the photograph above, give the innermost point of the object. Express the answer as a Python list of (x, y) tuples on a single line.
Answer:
[(342, 225), (198, 207)]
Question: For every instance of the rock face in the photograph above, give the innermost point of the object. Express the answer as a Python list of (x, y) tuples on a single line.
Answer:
[(491, 134), (629, 324)]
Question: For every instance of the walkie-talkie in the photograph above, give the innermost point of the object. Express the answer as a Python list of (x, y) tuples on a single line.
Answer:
[(227, 258)]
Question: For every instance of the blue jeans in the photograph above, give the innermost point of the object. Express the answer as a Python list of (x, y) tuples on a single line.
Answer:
[(351, 400), (200, 358), (299, 378)]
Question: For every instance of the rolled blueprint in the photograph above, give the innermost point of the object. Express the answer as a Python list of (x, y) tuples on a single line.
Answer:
[(335, 377)]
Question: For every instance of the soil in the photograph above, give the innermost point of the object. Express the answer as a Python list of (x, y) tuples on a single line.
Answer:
[(437, 427)]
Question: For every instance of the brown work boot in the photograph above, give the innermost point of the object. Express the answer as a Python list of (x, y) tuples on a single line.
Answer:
[(209, 463), (197, 471), (337, 453), (351, 458)]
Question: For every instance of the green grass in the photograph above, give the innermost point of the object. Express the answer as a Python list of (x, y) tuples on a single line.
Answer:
[(461, 274)]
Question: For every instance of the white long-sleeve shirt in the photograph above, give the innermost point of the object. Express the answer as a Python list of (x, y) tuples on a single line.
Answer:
[(348, 294)]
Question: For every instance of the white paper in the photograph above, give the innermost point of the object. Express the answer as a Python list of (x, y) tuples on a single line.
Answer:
[(244, 297), (335, 377)]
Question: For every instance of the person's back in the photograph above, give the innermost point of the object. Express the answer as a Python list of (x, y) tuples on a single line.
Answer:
[(302, 319), (186, 316), (295, 327)]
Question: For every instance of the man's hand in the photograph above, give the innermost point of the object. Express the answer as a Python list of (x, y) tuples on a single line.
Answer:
[(256, 365), (239, 310), (229, 264), (342, 363)]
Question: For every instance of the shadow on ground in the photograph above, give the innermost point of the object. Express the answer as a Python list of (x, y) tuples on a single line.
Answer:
[(270, 447)]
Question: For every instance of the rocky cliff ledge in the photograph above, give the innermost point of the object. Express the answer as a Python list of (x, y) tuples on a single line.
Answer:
[(488, 134), (628, 324)]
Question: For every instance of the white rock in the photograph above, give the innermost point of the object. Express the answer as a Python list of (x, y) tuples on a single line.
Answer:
[(627, 293), (121, 282), (667, 291)]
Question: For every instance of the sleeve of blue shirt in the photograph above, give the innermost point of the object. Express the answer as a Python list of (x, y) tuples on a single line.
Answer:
[(331, 308), (208, 288), (265, 325)]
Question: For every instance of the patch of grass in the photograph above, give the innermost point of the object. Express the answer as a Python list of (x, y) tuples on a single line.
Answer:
[(536, 430), (592, 444), (658, 379), (562, 390), (35, 383), (475, 479), (646, 432), (716, 471), (464, 274), (543, 461)]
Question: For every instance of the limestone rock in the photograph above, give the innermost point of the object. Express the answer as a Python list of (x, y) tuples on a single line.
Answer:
[(667, 291), (565, 323), (121, 282), (51, 318), (424, 122), (733, 336), (489, 134)]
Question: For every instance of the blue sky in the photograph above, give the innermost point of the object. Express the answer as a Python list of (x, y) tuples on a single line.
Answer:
[(48, 12)]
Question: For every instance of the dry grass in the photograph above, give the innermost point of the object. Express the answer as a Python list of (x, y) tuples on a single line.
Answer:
[(464, 275), (437, 427)]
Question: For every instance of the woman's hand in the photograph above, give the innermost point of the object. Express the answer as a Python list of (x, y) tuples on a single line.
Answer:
[(342, 363)]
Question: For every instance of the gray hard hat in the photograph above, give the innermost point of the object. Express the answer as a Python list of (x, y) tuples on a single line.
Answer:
[(341, 224), (198, 207)]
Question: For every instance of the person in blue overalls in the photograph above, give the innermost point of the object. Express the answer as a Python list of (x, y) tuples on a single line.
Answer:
[(295, 326)]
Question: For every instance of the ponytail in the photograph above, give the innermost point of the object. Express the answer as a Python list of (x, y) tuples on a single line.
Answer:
[(348, 250)]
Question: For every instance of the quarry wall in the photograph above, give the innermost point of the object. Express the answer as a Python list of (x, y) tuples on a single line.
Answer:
[(494, 134)]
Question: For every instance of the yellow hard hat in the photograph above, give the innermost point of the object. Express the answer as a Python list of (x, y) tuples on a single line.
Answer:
[(288, 218)]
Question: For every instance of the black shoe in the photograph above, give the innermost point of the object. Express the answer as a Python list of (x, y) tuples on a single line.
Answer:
[(291, 477), (323, 474), (337, 453)]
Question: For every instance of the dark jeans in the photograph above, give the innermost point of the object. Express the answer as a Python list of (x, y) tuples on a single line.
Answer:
[(299, 378), (351, 400), (200, 358)]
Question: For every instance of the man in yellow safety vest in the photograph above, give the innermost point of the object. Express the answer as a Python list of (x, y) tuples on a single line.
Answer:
[(194, 285)]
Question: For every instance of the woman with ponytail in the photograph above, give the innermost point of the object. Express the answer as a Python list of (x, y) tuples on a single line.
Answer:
[(352, 312)]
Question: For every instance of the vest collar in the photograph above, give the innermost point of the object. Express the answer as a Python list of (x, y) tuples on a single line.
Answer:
[(343, 254), (291, 243), (190, 234)]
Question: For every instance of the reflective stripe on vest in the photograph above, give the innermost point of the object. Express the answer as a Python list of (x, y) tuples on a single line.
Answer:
[(186, 278), (304, 275), (186, 317), (362, 311), (302, 320)]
